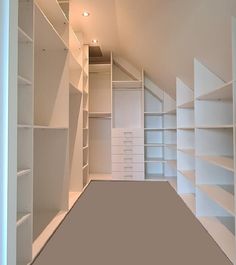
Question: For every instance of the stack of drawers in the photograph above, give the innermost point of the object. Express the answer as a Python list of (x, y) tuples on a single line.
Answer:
[(128, 154)]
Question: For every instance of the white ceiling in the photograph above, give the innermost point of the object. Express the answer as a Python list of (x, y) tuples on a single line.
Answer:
[(162, 36)]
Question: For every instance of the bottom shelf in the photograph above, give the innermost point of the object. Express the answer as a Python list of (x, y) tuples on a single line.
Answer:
[(41, 218), (173, 182), (223, 237), (189, 200)]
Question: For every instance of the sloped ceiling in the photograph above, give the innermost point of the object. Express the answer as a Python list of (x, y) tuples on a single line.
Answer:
[(162, 36)]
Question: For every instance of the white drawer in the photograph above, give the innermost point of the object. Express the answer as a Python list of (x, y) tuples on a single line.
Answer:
[(128, 133), (127, 167), (127, 159), (126, 150), (128, 175), (128, 141)]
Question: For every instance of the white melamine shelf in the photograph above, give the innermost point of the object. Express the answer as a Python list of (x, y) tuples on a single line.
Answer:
[(99, 68), (24, 126), (153, 129), (186, 128), (22, 81), (100, 177), (221, 161), (154, 145), (173, 182), (127, 84), (85, 166), (43, 28), (23, 37), (74, 63), (48, 231), (229, 126), (223, 237), (170, 129), (224, 92), (190, 152), (21, 218), (73, 197), (153, 113), (39, 127), (99, 114), (172, 163), (187, 105), (189, 174), (172, 146), (172, 111), (74, 88), (220, 196), (159, 177), (189, 200), (23, 172), (154, 160)]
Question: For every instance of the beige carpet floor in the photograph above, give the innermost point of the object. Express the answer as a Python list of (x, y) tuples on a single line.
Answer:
[(130, 223)]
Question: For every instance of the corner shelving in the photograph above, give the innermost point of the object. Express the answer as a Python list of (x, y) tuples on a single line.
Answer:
[(215, 202)]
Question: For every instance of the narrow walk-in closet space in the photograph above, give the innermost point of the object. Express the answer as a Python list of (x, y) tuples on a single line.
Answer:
[(117, 132)]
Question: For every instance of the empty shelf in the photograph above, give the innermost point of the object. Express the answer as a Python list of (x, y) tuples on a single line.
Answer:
[(221, 161), (127, 84), (24, 126), (190, 175), (153, 129), (21, 218), (189, 200), (227, 126), (154, 145), (172, 163), (222, 197), (23, 172), (186, 128), (224, 92), (49, 127), (100, 115), (153, 113), (23, 37), (190, 152), (99, 68), (187, 105), (22, 81), (223, 237)]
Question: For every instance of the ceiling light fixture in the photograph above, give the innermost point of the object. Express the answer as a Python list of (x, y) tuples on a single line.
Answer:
[(94, 41), (85, 14)]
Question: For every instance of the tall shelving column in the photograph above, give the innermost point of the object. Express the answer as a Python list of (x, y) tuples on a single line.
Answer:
[(170, 139), (215, 157), (85, 115), (25, 132), (76, 76), (185, 144), (51, 120)]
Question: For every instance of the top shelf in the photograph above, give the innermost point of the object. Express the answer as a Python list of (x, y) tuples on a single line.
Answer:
[(100, 68), (43, 28), (224, 92), (127, 84)]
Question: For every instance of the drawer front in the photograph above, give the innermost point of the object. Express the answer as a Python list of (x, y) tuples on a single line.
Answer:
[(126, 133), (127, 167), (128, 141), (127, 150), (127, 159), (128, 175)]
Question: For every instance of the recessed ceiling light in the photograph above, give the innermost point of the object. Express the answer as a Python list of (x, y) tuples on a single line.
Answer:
[(85, 14), (94, 41)]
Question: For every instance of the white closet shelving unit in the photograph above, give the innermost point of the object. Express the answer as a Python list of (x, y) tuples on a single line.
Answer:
[(52, 87), (214, 166), (185, 144), (85, 116), (160, 134), (127, 122), (100, 108), (25, 132)]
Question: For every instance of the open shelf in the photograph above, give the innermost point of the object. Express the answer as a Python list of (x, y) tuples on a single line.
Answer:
[(172, 163), (99, 68), (221, 196), (190, 152), (223, 237), (153, 113), (224, 92), (43, 28), (229, 126), (189, 200), (187, 105), (186, 128), (39, 127), (127, 84), (221, 161), (23, 37), (23, 172), (99, 114), (189, 174), (21, 218)]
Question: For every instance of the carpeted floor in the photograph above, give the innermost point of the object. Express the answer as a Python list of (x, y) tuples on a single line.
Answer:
[(131, 223)]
